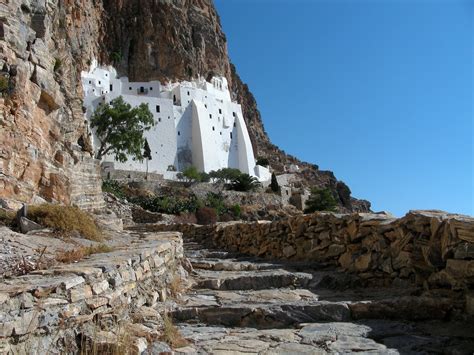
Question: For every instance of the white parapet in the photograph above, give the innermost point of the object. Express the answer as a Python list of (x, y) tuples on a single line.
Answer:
[(196, 123)]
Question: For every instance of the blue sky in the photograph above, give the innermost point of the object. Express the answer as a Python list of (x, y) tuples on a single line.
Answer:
[(380, 92)]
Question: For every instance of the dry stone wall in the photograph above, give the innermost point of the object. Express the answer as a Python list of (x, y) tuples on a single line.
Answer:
[(47, 309), (433, 249)]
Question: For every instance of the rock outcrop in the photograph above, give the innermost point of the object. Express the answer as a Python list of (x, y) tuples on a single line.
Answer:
[(44, 143)]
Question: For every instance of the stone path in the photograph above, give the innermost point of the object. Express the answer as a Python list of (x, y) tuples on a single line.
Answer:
[(246, 306)]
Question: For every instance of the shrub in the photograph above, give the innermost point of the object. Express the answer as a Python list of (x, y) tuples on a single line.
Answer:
[(215, 201), (186, 218), (114, 187), (245, 182), (192, 174), (3, 84), (65, 220), (168, 204), (57, 64), (320, 200), (171, 334), (206, 215), (7, 218), (236, 211), (274, 184), (262, 161), (73, 255)]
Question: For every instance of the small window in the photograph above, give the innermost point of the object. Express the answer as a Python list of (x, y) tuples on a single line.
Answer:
[(205, 105), (189, 101), (210, 115), (99, 82), (158, 108), (111, 87), (151, 88), (220, 133), (188, 93), (159, 119), (106, 74), (90, 82), (220, 110), (179, 133), (142, 89), (233, 114), (230, 135), (287, 192), (130, 88), (213, 128), (234, 124), (168, 117)]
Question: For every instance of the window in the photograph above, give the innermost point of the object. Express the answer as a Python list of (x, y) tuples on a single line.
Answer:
[(130, 88), (99, 82), (210, 115), (168, 117), (158, 108), (233, 114), (106, 74), (188, 93), (179, 133), (220, 133), (205, 105), (230, 135), (174, 98), (159, 119), (213, 128), (142, 89), (151, 88), (90, 81), (220, 110), (234, 124), (111, 87)]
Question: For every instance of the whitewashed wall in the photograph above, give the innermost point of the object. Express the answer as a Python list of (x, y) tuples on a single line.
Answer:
[(196, 123)]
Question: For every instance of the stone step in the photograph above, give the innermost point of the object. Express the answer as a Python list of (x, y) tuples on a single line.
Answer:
[(369, 336), (230, 265), (250, 280), (285, 307)]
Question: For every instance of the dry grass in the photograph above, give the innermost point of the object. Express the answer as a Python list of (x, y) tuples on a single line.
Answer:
[(171, 334), (177, 286), (65, 220), (73, 255), (6, 217)]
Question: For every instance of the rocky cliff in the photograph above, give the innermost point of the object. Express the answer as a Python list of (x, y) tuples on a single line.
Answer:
[(46, 44), (44, 149)]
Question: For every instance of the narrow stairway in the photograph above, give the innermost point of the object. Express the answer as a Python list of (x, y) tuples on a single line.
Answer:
[(242, 305)]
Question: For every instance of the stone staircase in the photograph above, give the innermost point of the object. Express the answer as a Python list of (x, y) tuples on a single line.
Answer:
[(241, 305)]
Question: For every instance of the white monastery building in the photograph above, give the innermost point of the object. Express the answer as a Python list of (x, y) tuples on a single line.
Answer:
[(196, 123)]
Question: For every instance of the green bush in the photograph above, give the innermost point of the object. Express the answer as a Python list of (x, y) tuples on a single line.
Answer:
[(65, 220), (168, 204), (245, 182), (262, 161), (274, 184), (236, 211), (3, 84), (57, 64), (7, 218), (321, 200), (114, 187)]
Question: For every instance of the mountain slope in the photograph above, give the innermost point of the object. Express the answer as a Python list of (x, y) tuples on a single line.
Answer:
[(164, 40)]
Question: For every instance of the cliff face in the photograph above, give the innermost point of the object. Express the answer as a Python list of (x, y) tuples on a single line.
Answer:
[(44, 47)]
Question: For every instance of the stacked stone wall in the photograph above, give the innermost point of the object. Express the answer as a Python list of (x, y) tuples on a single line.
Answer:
[(432, 249), (48, 309)]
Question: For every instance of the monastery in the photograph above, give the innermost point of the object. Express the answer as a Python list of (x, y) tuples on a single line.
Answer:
[(196, 123)]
